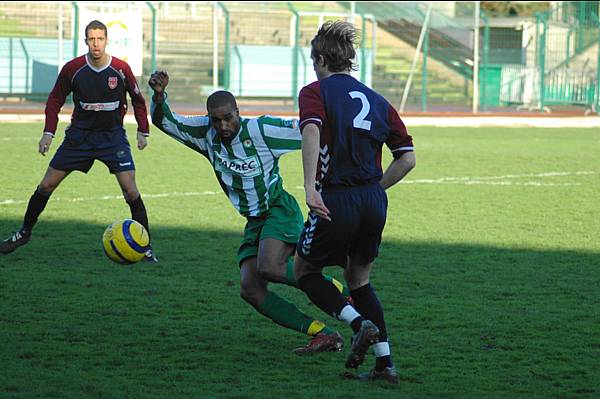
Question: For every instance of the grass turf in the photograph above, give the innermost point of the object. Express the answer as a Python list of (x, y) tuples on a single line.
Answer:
[(488, 272)]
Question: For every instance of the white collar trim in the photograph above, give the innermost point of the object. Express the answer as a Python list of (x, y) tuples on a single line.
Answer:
[(98, 69)]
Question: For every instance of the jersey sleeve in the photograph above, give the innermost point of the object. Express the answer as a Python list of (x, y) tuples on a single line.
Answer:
[(399, 141), (188, 130), (137, 101), (56, 99), (312, 109), (280, 135)]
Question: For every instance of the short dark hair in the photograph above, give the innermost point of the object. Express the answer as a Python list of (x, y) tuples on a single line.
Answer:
[(219, 99), (95, 24), (335, 42)]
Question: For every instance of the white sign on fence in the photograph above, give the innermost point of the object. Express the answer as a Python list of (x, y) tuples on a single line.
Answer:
[(125, 34)]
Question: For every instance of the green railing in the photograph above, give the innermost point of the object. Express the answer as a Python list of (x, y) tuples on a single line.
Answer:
[(179, 37)]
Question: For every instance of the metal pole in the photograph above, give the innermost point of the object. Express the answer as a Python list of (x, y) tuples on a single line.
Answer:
[(295, 54), (542, 61), (486, 61), (476, 59), (598, 73), (60, 37), (154, 31), (76, 37), (226, 71), (363, 55), (10, 64), (239, 57), (424, 73), (26, 65), (373, 43), (153, 44), (415, 58), (569, 31), (215, 66)]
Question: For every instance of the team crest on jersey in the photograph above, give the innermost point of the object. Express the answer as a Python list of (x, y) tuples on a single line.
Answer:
[(291, 123), (247, 143), (113, 81)]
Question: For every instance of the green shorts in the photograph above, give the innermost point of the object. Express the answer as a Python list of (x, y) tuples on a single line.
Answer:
[(283, 222)]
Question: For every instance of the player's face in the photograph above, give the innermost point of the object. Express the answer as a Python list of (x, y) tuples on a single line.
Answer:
[(96, 42), (225, 120)]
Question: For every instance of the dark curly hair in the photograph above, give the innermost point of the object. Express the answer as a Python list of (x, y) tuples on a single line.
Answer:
[(335, 42)]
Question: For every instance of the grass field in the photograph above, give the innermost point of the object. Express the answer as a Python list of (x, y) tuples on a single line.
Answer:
[(489, 274)]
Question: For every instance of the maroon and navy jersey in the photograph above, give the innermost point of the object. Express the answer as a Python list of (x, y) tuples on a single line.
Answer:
[(99, 96), (354, 122)]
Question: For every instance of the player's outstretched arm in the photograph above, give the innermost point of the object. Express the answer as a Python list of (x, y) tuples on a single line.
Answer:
[(189, 130)]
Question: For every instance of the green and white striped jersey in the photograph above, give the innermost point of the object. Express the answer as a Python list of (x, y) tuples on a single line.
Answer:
[(247, 168)]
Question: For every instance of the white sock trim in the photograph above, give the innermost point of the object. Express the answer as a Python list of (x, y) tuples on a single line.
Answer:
[(348, 314), (381, 349)]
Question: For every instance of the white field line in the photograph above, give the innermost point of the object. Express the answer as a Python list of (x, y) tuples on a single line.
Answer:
[(114, 197), (20, 138), (499, 180), (484, 179), (466, 180)]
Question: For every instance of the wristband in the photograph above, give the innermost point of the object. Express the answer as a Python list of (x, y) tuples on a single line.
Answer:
[(49, 134)]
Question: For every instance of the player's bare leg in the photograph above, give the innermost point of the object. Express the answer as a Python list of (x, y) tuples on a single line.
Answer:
[(254, 291), (128, 186), (133, 198), (275, 263), (253, 288), (51, 180), (272, 259)]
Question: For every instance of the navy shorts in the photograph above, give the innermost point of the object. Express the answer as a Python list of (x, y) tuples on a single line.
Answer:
[(81, 148), (358, 217)]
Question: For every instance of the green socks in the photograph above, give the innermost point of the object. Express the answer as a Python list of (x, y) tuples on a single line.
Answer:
[(288, 315)]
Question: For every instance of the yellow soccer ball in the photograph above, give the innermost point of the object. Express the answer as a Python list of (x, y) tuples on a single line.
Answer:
[(125, 241)]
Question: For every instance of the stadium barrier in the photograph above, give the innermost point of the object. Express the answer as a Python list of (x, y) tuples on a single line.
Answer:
[(259, 49)]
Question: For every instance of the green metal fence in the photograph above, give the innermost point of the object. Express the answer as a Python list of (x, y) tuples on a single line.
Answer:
[(559, 65), (260, 50)]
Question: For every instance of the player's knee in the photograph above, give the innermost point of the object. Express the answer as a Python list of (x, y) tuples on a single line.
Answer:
[(303, 268), (356, 278), (249, 294), (46, 188), (268, 268), (131, 194)]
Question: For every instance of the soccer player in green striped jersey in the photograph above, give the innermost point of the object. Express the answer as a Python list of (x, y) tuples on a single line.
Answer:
[(244, 155)]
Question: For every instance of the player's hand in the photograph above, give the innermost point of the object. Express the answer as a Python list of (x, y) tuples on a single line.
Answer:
[(158, 81), (142, 141), (315, 204), (44, 144)]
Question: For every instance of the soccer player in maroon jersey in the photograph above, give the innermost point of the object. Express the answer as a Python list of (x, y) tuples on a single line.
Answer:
[(344, 125), (99, 84)]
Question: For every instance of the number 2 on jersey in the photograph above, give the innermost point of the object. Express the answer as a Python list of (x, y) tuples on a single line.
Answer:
[(359, 120)]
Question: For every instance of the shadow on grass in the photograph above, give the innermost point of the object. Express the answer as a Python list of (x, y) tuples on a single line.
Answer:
[(70, 315)]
